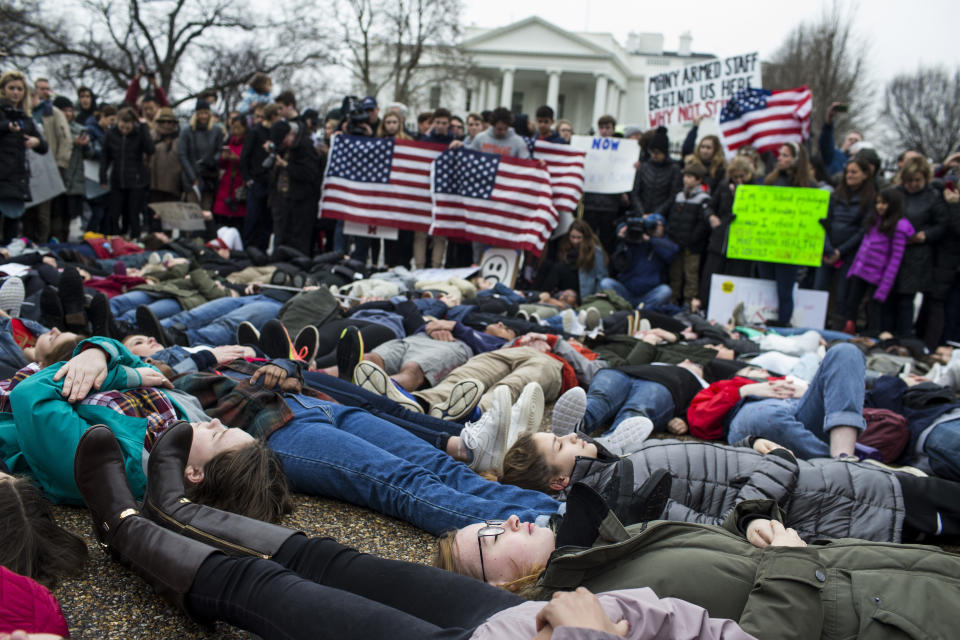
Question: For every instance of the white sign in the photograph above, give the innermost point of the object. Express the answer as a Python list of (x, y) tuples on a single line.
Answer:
[(186, 216), (91, 174), (759, 298), (369, 230), (609, 165), (700, 89), (45, 181), (500, 265)]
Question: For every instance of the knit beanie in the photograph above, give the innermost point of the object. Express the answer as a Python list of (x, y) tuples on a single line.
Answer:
[(660, 142), (62, 102)]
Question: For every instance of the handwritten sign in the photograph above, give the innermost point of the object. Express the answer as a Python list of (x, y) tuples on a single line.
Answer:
[(759, 298), (700, 89), (608, 167), (778, 224), (185, 216)]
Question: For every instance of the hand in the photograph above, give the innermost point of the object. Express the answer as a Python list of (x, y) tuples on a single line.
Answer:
[(81, 140), (442, 335), (281, 162), (764, 446), (14, 127), (952, 160), (31, 142), (951, 195), (772, 389), (455, 144), (622, 232), (783, 537), (714, 221), (527, 338), (252, 288), (697, 120), (434, 325), (228, 353), (831, 112), (919, 237), (760, 533), (677, 426), (84, 371), (150, 377), (270, 374), (579, 608)]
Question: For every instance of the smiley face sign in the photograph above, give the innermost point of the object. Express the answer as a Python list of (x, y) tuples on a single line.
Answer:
[(500, 265)]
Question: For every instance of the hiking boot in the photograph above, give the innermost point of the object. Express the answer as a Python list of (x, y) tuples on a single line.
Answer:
[(72, 299), (100, 315)]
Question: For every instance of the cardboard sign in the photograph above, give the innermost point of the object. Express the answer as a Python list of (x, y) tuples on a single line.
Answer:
[(759, 298), (700, 89), (608, 167), (500, 265), (369, 230), (778, 224), (186, 216), (45, 181)]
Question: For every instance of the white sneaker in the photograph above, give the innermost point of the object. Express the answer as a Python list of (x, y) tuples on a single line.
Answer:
[(527, 413), (568, 411), (591, 318), (571, 325), (486, 437), (628, 437)]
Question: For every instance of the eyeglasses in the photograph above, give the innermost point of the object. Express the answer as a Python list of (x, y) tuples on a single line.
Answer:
[(491, 529)]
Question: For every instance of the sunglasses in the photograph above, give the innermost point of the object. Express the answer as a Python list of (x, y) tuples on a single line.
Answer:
[(491, 529)]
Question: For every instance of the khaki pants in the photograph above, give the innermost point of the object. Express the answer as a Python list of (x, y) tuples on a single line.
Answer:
[(685, 276), (420, 250), (514, 367)]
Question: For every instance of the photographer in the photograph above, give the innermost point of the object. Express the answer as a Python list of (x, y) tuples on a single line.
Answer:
[(356, 122), (297, 175), (255, 169), (200, 145), (18, 132), (643, 254)]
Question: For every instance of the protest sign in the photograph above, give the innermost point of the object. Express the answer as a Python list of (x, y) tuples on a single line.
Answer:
[(759, 298), (369, 230), (778, 224), (45, 181), (500, 265), (186, 216), (609, 163), (91, 174), (700, 89)]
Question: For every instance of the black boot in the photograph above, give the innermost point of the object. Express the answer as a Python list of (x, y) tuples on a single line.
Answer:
[(165, 504), (167, 561), (167, 336), (100, 316)]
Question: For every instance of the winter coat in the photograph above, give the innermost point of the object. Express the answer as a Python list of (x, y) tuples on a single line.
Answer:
[(655, 186), (199, 151), (189, 292), (14, 173), (844, 226), (28, 606), (687, 220), (840, 589), (645, 264), (946, 255), (250, 97), (879, 257), (97, 135), (820, 498), (253, 155), (125, 154), (73, 177), (229, 182), (927, 212), (299, 180), (56, 131), (164, 166)]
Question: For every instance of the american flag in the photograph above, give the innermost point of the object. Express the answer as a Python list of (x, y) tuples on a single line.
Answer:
[(379, 181), (565, 166), (766, 119), (501, 201)]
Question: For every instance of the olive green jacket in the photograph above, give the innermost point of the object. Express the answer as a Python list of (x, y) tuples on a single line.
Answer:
[(838, 589), (191, 289)]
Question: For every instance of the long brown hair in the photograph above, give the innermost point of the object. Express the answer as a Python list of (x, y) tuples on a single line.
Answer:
[(33, 544), (587, 253), (888, 224), (718, 162), (525, 467), (867, 190), (248, 480), (798, 175)]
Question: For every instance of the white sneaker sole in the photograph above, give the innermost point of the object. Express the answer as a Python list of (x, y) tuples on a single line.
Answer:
[(464, 397), (528, 411), (568, 411), (369, 376), (501, 405)]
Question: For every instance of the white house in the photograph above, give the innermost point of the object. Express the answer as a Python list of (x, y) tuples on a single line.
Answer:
[(581, 75)]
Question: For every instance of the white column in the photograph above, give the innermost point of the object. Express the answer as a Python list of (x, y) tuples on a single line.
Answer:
[(622, 106), (612, 91), (599, 99), (480, 103), (491, 95), (553, 89), (506, 88)]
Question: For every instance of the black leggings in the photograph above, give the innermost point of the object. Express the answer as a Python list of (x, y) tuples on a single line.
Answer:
[(317, 588), (931, 510), (373, 334)]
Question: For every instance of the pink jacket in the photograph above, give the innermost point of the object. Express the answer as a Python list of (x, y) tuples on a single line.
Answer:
[(28, 606), (878, 258)]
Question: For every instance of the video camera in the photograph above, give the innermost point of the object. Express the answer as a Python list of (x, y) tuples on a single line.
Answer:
[(271, 158), (355, 115), (12, 113), (639, 226)]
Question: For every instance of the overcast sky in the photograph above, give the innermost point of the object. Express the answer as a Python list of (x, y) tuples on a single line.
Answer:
[(903, 35)]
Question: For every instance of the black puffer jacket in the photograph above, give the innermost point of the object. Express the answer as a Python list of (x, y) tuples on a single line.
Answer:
[(299, 180), (125, 154), (822, 497), (844, 226), (655, 186), (946, 257), (14, 174), (687, 220), (927, 212)]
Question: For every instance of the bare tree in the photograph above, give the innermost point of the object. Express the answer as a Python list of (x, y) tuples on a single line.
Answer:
[(922, 112), (828, 56), (190, 45)]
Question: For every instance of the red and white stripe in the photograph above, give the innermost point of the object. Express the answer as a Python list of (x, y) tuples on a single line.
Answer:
[(518, 215), (404, 202), (566, 169), (785, 119)]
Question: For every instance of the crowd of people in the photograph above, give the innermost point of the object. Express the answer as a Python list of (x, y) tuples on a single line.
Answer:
[(596, 457)]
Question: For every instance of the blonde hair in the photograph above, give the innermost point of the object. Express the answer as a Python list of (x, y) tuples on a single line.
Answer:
[(382, 130), (916, 165), (13, 76), (445, 557)]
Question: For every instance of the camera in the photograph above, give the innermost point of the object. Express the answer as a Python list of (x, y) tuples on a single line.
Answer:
[(355, 116), (638, 227), (271, 158), (12, 113)]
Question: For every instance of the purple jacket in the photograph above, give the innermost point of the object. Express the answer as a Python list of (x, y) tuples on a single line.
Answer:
[(879, 256)]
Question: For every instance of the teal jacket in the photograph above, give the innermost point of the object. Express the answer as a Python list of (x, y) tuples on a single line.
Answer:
[(40, 437)]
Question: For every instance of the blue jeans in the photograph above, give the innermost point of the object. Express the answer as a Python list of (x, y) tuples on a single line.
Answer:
[(348, 454), (834, 399), (124, 306), (215, 323), (785, 276), (656, 297), (615, 396), (943, 447)]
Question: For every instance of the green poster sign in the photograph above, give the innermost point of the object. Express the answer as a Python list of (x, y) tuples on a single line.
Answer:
[(778, 224)]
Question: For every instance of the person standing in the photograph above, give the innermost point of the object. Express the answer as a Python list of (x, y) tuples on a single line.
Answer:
[(69, 205), (258, 223), (164, 164), (18, 132), (200, 145), (56, 131), (231, 204), (124, 148), (297, 174)]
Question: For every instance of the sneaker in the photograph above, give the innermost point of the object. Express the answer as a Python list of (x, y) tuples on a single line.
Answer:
[(628, 437), (247, 334), (154, 258), (51, 309), (349, 353), (306, 343), (11, 296), (523, 315), (464, 396), (568, 411), (527, 413), (571, 325), (535, 318), (486, 438), (370, 376), (275, 341), (591, 318)]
